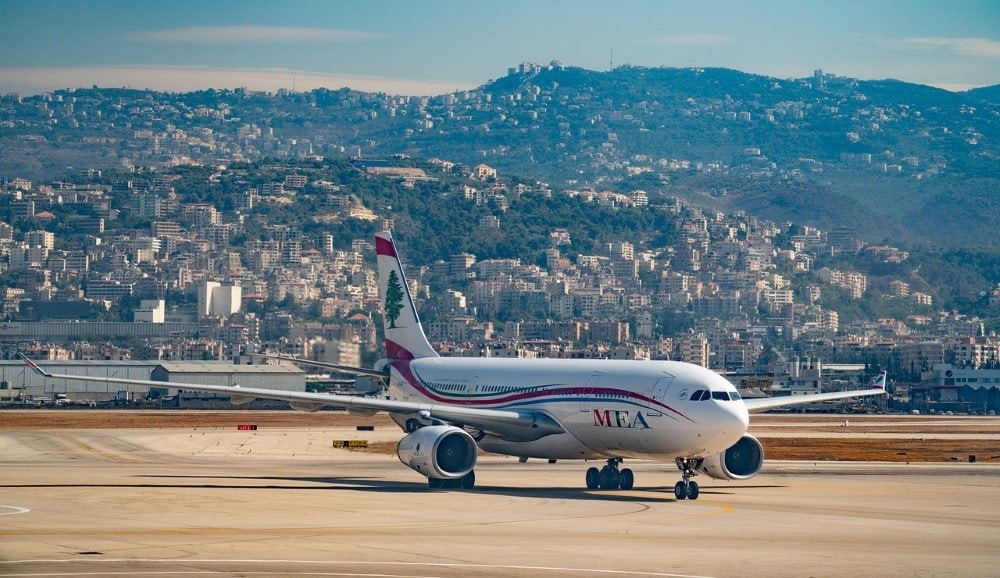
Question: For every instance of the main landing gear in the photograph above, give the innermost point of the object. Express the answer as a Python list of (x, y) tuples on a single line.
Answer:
[(610, 477), (687, 488)]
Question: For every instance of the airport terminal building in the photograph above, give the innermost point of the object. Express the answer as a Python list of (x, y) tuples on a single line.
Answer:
[(953, 388)]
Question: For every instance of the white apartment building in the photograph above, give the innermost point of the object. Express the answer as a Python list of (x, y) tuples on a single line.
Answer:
[(217, 299), (150, 311), (40, 239)]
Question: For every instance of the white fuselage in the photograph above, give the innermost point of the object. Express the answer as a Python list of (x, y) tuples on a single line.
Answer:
[(635, 409)]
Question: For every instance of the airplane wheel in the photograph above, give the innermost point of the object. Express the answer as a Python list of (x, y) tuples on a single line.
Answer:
[(692, 491), (680, 492), (593, 478), (469, 481), (434, 483), (610, 479), (627, 479)]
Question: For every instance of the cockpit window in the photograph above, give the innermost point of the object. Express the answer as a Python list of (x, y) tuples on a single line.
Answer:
[(705, 395)]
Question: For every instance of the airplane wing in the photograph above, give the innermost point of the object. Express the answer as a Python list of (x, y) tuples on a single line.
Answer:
[(757, 405), (509, 424)]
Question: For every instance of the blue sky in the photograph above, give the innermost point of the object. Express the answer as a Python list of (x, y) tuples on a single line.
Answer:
[(437, 46)]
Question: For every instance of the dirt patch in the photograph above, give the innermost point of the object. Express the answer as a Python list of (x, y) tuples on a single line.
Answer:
[(812, 448), (881, 450), (156, 419)]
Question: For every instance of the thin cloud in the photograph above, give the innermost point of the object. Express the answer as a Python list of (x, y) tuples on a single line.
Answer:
[(980, 47), (184, 79), (248, 34), (692, 40)]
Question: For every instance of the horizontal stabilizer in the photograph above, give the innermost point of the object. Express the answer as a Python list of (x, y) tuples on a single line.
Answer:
[(332, 366)]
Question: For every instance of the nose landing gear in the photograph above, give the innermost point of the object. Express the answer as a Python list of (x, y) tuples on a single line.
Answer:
[(687, 488), (610, 477)]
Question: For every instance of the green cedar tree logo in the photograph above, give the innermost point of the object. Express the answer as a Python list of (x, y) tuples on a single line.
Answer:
[(393, 299)]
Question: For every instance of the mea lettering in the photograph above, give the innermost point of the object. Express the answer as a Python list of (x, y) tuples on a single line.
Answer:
[(617, 418)]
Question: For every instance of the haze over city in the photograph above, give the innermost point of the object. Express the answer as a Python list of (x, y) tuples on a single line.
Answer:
[(533, 272), (440, 46)]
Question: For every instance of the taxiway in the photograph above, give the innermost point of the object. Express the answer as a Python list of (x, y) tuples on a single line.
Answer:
[(282, 502)]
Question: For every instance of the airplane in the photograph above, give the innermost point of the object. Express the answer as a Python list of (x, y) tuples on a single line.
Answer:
[(556, 409)]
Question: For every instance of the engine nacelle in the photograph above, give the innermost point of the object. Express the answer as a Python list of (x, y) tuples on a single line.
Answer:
[(439, 451), (741, 461)]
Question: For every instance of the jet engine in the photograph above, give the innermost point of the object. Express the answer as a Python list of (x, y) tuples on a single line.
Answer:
[(741, 461), (439, 451)]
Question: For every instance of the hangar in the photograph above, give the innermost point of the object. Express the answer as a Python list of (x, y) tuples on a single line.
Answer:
[(281, 376), (17, 381)]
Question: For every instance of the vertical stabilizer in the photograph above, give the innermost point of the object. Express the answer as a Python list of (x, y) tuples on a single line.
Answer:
[(404, 337)]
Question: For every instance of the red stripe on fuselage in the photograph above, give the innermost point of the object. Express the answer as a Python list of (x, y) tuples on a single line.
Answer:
[(401, 363)]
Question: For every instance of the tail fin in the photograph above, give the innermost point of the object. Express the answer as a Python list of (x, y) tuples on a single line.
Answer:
[(404, 336), (879, 382)]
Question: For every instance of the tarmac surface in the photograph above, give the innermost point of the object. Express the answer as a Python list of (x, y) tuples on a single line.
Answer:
[(283, 502)]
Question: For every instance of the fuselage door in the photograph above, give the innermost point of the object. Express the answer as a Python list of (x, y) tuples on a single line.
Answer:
[(660, 390), (589, 392)]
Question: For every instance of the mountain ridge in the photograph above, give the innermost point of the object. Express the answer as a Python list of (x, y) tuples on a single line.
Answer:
[(880, 155)]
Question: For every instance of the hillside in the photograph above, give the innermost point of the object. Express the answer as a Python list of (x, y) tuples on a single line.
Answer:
[(893, 159)]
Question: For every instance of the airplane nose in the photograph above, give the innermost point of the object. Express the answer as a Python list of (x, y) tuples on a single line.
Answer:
[(741, 417), (729, 425), (733, 423)]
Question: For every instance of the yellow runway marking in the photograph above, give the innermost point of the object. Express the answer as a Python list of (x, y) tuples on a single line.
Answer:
[(721, 511)]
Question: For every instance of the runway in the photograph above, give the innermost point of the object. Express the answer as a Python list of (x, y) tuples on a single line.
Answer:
[(282, 502)]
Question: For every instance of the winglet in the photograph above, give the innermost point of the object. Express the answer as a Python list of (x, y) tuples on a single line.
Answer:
[(879, 382), (34, 367)]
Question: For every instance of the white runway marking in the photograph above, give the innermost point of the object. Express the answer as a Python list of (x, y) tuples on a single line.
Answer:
[(16, 510), (286, 572)]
